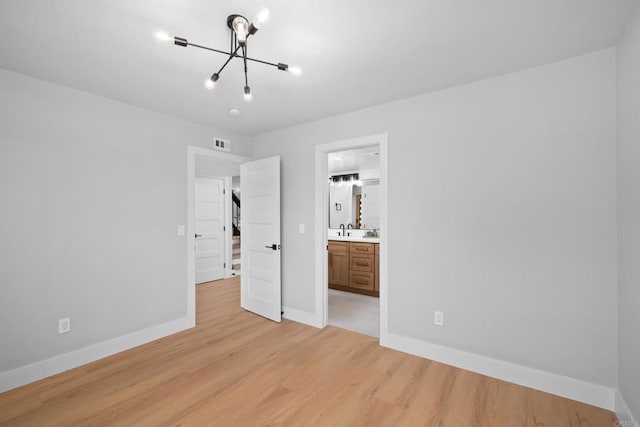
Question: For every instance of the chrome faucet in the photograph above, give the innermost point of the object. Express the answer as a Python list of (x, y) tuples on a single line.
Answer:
[(349, 226), (342, 228)]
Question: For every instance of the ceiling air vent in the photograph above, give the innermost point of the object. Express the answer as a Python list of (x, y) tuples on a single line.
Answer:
[(221, 144)]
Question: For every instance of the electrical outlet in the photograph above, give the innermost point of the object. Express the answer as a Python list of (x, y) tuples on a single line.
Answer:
[(64, 325), (181, 230), (301, 228), (438, 318)]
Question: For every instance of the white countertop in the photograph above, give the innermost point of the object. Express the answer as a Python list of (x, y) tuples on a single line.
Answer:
[(355, 239)]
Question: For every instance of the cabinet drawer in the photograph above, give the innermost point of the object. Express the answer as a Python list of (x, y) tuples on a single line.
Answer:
[(358, 262), (361, 280), (338, 246), (361, 248)]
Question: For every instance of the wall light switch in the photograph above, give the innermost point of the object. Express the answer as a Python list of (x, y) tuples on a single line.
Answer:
[(301, 228), (64, 325), (181, 230)]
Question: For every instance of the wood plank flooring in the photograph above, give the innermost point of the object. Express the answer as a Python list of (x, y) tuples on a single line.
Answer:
[(236, 368)]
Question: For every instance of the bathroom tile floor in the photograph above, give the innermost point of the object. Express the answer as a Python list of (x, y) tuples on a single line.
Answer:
[(355, 312)]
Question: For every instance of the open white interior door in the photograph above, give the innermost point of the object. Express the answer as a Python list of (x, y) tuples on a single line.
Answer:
[(260, 237)]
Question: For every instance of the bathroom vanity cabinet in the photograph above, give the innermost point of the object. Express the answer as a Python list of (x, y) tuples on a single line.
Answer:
[(354, 267)]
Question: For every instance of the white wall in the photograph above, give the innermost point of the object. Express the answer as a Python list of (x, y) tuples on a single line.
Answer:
[(629, 213), (92, 191), (213, 167), (508, 188)]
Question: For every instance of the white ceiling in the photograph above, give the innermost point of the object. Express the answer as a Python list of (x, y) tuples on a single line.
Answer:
[(356, 160), (354, 54)]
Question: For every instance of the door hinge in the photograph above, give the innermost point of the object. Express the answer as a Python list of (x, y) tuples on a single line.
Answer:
[(327, 247), (224, 228), (224, 191), (225, 265)]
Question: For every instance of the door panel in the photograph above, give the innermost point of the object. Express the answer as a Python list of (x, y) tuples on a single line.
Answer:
[(209, 257), (260, 237)]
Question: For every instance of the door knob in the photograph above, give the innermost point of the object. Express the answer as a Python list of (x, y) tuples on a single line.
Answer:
[(198, 235), (273, 247)]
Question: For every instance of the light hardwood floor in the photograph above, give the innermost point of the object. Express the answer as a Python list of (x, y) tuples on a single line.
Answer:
[(236, 368)]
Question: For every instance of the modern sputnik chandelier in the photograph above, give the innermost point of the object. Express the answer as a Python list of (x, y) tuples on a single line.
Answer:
[(240, 29)]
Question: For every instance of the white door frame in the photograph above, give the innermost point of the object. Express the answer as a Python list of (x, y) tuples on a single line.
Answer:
[(322, 224), (192, 152)]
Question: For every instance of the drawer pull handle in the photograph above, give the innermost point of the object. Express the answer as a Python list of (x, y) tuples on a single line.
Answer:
[(362, 264), (358, 282)]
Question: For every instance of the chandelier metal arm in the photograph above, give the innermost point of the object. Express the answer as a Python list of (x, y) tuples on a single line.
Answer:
[(183, 42), (231, 56), (244, 55), (278, 65), (206, 48)]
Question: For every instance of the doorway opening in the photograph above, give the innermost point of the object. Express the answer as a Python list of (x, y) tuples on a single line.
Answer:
[(353, 239), (352, 257), (212, 219)]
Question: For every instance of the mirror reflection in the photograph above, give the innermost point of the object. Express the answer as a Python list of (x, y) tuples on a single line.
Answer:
[(354, 183)]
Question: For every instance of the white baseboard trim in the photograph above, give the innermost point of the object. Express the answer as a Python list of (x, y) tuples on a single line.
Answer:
[(571, 388), (48, 367), (301, 316), (623, 412)]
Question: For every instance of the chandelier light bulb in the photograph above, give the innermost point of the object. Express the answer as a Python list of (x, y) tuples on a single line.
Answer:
[(210, 83), (247, 94), (296, 71), (262, 16), (241, 28), (161, 36)]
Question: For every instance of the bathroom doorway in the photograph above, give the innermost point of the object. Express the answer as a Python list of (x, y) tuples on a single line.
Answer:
[(351, 229), (353, 239)]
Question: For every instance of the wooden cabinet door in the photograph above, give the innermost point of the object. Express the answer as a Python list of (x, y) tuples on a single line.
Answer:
[(339, 268)]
